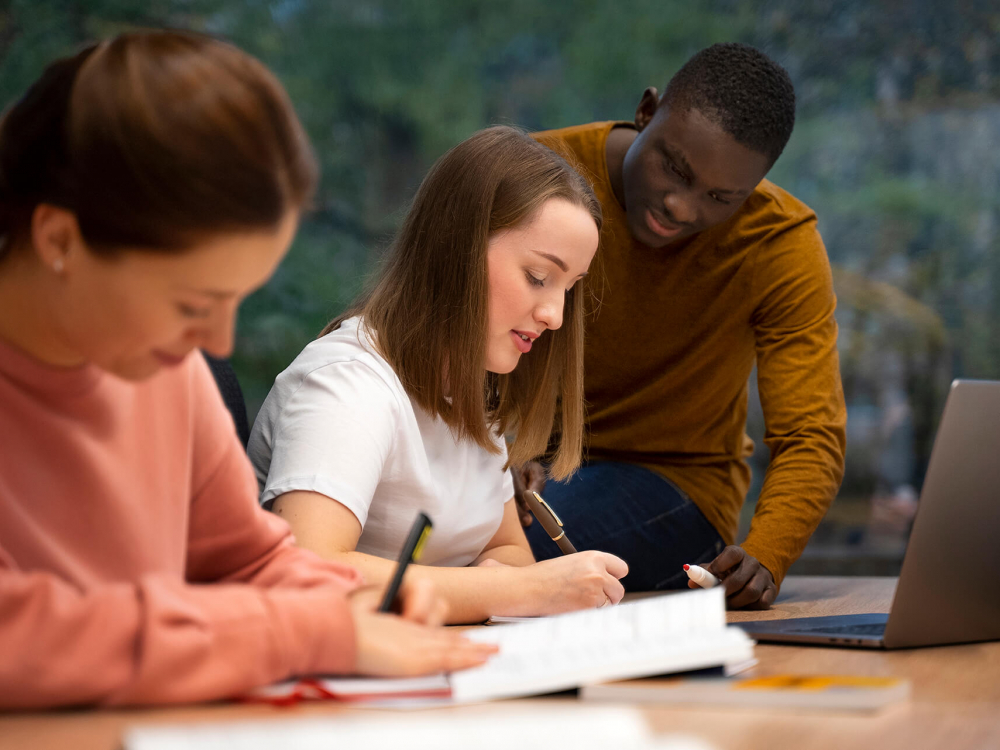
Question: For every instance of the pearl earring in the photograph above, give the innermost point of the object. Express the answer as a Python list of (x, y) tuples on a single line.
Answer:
[(57, 265)]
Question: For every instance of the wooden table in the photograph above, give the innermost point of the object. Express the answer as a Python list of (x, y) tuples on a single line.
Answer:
[(955, 703), (956, 689)]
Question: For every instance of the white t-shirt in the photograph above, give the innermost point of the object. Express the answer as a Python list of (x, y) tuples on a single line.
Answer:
[(338, 422)]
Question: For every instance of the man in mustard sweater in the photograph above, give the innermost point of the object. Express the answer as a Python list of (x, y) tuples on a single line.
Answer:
[(705, 268)]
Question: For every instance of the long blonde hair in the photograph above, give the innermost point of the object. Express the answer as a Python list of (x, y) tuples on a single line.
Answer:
[(428, 308)]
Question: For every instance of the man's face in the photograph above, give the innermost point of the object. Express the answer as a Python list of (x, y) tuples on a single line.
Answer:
[(684, 174)]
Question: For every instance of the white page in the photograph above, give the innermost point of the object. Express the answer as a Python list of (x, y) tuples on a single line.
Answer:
[(661, 634), (499, 727)]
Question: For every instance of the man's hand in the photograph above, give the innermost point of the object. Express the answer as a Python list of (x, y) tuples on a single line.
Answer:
[(531, 476), (749, 585)]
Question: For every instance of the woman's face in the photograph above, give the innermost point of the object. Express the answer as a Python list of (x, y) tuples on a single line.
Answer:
[(139, 311), (531, 268)]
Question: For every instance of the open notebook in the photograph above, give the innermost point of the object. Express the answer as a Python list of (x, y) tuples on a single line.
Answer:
[(659, 635)]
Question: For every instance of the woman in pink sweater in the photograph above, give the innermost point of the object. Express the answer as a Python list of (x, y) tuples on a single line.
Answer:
[(147, 185)]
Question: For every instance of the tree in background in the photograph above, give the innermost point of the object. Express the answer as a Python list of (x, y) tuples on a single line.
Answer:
[(897, 148)]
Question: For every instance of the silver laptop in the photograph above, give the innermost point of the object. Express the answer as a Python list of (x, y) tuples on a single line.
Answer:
[(949, 586)]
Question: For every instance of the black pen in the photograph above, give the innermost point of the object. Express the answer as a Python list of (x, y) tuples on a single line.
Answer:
[(547, 517), (419, 532)]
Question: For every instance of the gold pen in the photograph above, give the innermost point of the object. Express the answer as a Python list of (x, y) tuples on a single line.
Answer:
[(547, 517)]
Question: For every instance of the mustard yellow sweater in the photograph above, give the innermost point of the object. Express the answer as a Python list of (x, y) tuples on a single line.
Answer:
[(673, 340)]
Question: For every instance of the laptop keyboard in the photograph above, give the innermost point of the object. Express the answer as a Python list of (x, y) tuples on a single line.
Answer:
[(873, 628)]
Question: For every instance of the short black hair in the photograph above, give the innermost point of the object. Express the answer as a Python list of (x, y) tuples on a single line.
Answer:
[(742, 90)]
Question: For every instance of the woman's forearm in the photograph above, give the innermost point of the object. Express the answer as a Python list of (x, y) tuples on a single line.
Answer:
[(508, 554), (473, 594)]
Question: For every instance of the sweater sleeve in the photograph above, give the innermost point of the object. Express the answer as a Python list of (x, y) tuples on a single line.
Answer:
[(157, 640), (798, 375), (230, 537), (253, 609)]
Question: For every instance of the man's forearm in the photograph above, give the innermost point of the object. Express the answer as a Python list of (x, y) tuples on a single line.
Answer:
[(799, 488)]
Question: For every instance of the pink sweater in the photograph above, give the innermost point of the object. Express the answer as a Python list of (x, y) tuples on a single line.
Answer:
[(135, 564)]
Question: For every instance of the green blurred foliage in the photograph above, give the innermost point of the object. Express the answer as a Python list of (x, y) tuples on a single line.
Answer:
[(897, 145)]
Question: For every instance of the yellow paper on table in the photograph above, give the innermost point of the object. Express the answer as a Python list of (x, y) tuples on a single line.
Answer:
[(815, 682), (785, 691)]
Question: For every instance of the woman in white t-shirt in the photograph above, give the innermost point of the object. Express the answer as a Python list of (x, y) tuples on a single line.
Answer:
[(401, 405)]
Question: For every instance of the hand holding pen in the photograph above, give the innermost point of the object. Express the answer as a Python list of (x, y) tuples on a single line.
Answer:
[(412, 643), (412, 548), (749, 585), (606, 568)]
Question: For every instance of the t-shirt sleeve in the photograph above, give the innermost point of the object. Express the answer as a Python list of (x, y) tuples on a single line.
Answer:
[(507, 487), (334, 435)]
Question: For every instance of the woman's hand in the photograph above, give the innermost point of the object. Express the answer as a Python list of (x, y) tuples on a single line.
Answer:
[(412, 643), (581, 581)]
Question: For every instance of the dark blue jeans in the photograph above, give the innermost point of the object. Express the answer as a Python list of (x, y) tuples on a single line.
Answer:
[(633, 513)]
